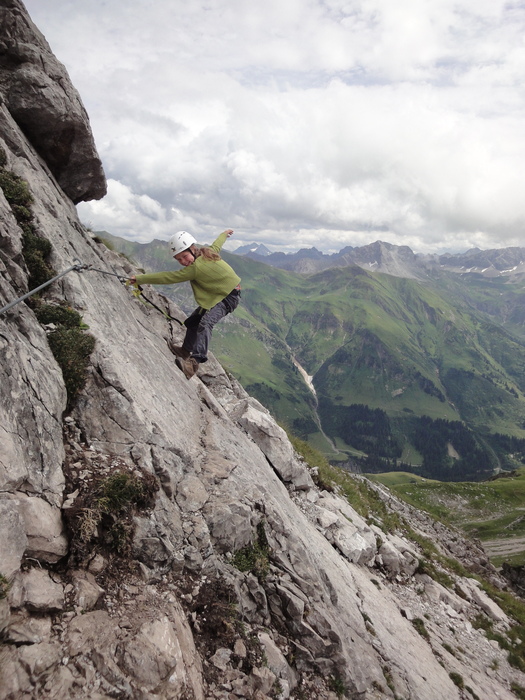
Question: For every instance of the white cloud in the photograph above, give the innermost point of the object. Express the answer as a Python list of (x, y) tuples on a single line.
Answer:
[(303, 122)]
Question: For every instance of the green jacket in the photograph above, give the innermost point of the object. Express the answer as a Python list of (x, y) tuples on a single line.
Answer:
[(210, 280)]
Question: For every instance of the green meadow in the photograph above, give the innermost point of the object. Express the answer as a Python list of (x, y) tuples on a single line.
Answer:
[(491, 511)]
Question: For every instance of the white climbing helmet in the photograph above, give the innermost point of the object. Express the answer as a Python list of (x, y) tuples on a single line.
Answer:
[(181, 241)]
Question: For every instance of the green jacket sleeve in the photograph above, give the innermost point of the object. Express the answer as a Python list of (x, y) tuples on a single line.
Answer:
[(173, 277), (219, 242)]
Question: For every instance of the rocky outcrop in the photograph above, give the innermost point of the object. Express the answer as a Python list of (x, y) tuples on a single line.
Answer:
[(162, 539), (37, 92)]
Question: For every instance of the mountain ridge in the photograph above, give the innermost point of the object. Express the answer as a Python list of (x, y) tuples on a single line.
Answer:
[(400, 261)]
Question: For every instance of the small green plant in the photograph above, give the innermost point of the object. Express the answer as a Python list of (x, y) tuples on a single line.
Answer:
[(420, 627), (387, 673), (475, 696), (72, 348), (448, 648), (277, 687), (116, 498), (120, 490), (4, 586), (16, 190), (35, 250), (254, 557), (457, 679), (518, 690), (104, 515), (337, 686), (59, 314)]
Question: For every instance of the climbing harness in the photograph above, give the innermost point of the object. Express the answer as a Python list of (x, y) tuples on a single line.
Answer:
[(79, 267)]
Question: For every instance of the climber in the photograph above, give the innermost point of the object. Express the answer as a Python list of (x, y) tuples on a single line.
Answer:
[(216, 288)]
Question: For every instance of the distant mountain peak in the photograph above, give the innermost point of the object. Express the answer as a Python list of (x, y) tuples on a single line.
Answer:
[(253, 248)]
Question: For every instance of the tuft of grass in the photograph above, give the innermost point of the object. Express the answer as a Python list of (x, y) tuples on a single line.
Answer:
[(72, 348), (104, 241), (518, 690), (35, 250), (337, 686), (59, 314), (103, 515), (457, 679), (119, 491), (69, 344), (16, 190), (5, 585), (256, 556), (420, 627)]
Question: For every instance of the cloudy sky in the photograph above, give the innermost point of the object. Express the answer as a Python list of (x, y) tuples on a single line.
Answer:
[(303, 123)]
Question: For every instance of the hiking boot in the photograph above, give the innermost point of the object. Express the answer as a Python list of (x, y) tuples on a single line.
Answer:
[(189, 366), (178, 350)]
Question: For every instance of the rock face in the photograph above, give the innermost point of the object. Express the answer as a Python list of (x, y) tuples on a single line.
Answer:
[(37, 92), (238, 573)]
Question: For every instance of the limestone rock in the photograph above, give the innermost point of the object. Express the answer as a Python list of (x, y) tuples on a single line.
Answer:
[(396, 561), (35, 590), (86, 590), (94, 630), (277, 662), (46, 540), (38, 658), (488, 606), (154, 655), (42, 100), (13, 542), (25, 628), (359, 546), (273, 441), (191, 493)]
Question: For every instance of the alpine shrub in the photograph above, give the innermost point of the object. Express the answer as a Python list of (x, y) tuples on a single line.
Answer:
[(71, 348), (254, 557), (16, 190), (4, 586), (35, 251), (58, 314)]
